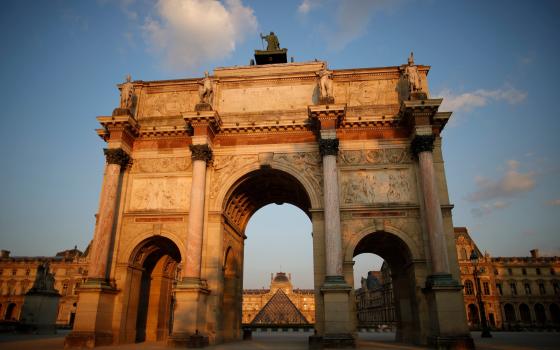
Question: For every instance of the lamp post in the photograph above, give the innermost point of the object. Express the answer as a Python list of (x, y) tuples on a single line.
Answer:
[(485, 329)]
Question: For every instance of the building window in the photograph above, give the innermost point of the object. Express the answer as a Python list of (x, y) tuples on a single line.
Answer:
[(510, 271), (556, 287), (469, 287), (527, 289), (524, 271), (486, 288), (552, 272), (538, 271), (65, 288), (499, 287), (76, 286), (27, 272), (496, 272), (513, 288), (463, 254), (14, 272), (542, 290)]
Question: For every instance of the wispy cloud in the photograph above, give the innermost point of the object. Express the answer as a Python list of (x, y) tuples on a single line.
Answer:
[(512, 183), (188, 32), (488, 208), (467, 101), (351, 18), (554, 202)]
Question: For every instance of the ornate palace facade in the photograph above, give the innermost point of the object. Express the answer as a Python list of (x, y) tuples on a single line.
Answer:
[(18, 273), (517, 292), (281, 305)]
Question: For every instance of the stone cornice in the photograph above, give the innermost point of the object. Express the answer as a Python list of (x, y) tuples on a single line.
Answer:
[(117, 124), (328, 116)]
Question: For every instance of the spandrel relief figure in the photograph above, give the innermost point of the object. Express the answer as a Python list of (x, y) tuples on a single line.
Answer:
[(205, 90), (325, 86), (412, 75), (127, 89)]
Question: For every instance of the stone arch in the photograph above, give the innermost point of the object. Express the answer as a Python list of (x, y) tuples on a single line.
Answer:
[(135, 245), (540, 314), (10, 312), (399, 253), (373, 229), (472, 314), (524, 313), (314, 194), (152, 266)]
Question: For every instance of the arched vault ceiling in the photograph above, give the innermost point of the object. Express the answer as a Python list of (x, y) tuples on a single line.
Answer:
[(260, 188)]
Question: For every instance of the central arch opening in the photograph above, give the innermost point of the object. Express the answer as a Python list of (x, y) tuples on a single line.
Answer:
[(283, 207)]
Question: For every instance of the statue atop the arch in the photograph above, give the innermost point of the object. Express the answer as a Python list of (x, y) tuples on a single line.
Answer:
[(325, 86), (412, 77), (272, 42), (127, 90), (273, 53), (205, 93)]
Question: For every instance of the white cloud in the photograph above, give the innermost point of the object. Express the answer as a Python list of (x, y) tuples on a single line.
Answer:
[(308, 5), (513, 182), (189, 32), (554, 202), (488, 208), (479, 98)]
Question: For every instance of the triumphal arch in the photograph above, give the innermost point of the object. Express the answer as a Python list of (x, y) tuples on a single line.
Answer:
[(189, 161)]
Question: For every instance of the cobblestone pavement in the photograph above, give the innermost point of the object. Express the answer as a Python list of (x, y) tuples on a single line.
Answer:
[(293, 340)]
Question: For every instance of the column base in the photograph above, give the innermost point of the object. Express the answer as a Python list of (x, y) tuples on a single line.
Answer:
[(338, 341), (187, 341), (87, 339), (451, 342)]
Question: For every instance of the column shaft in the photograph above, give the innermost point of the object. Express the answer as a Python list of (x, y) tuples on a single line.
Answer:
[(99, 258), (434, 219), (196, 220)]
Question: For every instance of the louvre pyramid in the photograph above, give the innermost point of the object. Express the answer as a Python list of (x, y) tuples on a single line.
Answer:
[(279, 310)]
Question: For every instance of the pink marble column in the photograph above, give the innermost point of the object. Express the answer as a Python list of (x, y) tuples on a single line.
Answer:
[(333, 241), (99, 258), (201, 154), (422, 146)]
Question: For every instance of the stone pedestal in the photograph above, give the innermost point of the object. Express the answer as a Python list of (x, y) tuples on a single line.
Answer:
[(338, 325), (39, 311), (445, 303), (189, 321), (94, 316)]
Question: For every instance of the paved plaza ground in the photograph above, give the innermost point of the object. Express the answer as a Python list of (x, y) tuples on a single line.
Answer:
[(295, 340)]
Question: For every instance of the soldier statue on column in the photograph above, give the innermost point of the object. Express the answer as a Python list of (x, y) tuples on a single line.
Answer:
[(126, 92)]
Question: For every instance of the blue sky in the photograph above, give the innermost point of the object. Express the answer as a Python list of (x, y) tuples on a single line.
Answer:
[(495, 63)]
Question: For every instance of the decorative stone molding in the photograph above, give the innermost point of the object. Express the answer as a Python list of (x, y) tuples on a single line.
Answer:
[(328, 147), (422, 143), (201, 152), (116, 156)]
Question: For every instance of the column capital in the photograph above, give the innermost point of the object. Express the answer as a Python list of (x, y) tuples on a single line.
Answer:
[(116, 156), (422, 143), (328, 147), (327, 116), (201, 152)]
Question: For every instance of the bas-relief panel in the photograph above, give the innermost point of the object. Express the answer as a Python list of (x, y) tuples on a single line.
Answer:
[(168, 193), (160, 165), (378, 187), (308, 164), (169, 103), (253, 99), (376, 156), (372, 92)]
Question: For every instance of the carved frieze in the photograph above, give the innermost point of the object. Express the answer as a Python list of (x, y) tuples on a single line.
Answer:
[(161, 165), (306, 163), (376, 156), (165, 104), (167, 193), (225, 166), (377, 187)]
